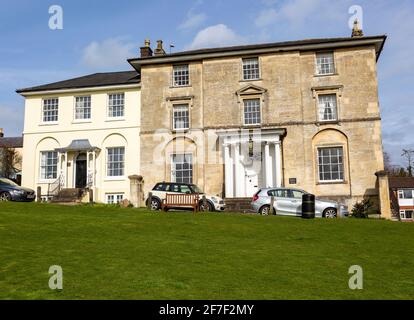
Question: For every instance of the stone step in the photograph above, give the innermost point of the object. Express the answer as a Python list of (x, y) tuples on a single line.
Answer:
[(238, 204), (68, 195)]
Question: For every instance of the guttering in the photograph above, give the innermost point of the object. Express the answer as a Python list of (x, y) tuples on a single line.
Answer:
[(82, 89)]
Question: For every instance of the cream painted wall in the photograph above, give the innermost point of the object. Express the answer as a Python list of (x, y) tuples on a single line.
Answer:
[(99, 130)]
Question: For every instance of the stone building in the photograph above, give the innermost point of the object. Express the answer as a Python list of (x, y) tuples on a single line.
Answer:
[(301, 114)]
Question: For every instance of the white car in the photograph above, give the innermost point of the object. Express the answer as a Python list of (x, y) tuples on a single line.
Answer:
[(214, 203), (289, 202)]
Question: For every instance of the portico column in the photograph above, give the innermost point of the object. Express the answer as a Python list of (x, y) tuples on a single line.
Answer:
[(228, 172), (278, 164), (268, 166), (94, 168), (88, 169), (239, 176), (65, 169)]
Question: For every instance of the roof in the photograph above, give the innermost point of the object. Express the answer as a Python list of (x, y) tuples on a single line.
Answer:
[(78, 145), (11, 142), (401, 182), (92, 80), (308, 44)]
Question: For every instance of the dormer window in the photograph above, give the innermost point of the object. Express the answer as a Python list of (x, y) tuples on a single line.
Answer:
[(181, 75), (251, 69), (325, 63)]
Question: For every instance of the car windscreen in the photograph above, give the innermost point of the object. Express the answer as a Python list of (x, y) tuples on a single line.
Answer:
[(196, 189), (5, 181)]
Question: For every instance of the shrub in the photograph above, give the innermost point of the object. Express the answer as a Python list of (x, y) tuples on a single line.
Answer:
[(362, 209)]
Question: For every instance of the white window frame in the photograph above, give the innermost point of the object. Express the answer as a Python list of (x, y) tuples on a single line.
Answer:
[(401, 193), (403, 214), (176, 84), (340, 180), (43, 121), (173, 167), (109, 115), (75, 119), (247, 60), (334, 108), (113, 177), (117, 198), (174, 110), (324, 55), (244, 111), (44, 178)]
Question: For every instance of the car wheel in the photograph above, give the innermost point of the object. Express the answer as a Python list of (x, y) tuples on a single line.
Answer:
[(155, 204), (330, 213), (5, 196), (207, 207), (265, 210)]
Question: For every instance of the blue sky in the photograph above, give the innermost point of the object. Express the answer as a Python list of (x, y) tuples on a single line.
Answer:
[(99, 35)]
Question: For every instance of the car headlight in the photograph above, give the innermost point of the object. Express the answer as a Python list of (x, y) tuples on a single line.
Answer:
[(17, 192), (214, 199)]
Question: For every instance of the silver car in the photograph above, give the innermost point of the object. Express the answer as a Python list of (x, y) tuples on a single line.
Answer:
[(289, 202)]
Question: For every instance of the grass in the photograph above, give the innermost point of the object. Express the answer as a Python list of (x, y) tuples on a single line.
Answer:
[(115, 253)]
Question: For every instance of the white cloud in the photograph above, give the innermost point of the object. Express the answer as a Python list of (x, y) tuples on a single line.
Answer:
[(266, 17), (109, 53), (193, 20), (218, 35)]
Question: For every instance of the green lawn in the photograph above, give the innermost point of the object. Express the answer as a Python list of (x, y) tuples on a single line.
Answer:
[(109, 252)]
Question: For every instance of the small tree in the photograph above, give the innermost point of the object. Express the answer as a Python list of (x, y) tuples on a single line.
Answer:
[(409, 155), (362, 209), (10, 161)]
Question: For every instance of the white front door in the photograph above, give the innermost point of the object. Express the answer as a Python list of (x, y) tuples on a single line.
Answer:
[(252, 183)]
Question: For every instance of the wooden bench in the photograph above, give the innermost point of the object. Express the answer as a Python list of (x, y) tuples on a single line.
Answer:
[(181, 201)]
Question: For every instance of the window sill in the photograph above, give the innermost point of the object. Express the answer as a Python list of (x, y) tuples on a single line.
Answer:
[(256, 125), (49, 123), (81, 121), (249, 80), (186, 86), (325, 75), (115, 119), (110, 179), (332, 182), (46, 181), (180, 130), (321, 123)]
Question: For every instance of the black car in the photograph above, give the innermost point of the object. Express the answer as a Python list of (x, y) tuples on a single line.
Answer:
[(11, 191)]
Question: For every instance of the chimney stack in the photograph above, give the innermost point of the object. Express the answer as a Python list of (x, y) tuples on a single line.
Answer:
[(356, 30), (1, 133), (159, 51), (146, 50)]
